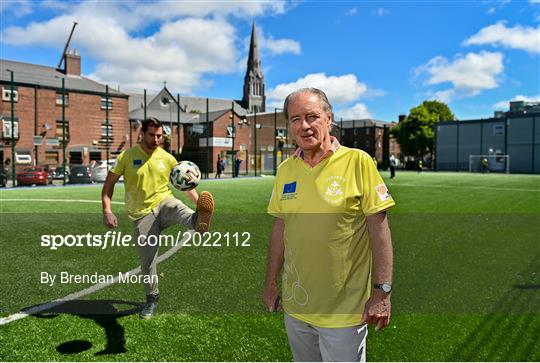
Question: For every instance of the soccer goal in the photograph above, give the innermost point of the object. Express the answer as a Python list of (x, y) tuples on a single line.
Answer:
[(489, 164)]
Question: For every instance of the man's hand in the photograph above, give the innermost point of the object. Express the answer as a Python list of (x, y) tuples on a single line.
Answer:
[(377, 310), (109, 219), (271, 298)]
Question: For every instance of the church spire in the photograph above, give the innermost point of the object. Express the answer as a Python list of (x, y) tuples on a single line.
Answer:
[(254, 94)]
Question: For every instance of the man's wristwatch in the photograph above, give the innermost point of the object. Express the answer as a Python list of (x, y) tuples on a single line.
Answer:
[(384, 287)]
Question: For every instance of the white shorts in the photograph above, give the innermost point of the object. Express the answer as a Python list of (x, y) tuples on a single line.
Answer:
[(313, 344)]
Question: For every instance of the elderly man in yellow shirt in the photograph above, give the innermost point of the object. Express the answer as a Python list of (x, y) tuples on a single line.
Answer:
[(330, 236), (150, 203)]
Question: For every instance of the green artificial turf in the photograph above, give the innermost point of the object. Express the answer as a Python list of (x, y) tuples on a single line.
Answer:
[(467, 285)]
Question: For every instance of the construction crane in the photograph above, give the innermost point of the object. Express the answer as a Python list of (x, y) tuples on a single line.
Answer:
[(63, 58)]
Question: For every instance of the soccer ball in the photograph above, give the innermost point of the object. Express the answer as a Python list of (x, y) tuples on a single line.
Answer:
[(185, 175)]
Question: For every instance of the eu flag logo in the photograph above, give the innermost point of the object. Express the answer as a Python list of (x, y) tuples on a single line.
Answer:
[(137, 163), (289, 188)]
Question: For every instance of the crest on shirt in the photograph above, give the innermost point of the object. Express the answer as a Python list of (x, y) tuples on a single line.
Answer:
[(334, 193), (161, 165), (382, 192)]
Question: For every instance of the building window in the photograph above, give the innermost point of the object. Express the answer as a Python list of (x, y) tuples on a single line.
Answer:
[(60, 132), (8, 125), (367, 130), (106, 103), (59, 99), (6, 94)]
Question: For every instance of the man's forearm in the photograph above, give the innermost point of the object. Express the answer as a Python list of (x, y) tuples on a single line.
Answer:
[(276, 250), (381, 246)]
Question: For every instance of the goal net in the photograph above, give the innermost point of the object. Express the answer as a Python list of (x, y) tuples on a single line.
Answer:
[(489, 163)]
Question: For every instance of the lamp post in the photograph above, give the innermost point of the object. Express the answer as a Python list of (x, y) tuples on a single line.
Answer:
[(12, 106), (275, 138), (232, 139), (255, 143)]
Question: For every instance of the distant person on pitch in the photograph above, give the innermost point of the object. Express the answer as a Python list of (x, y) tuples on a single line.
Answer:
[(392, 166), (150, 203)]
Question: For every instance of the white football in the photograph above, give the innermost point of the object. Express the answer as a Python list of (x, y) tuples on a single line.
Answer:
[(185, 175)]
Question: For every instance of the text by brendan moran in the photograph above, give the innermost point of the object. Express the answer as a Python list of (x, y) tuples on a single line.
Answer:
[(65, 277)]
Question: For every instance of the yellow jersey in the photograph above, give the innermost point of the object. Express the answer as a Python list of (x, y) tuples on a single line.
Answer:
[(327, 268), (146, 178)]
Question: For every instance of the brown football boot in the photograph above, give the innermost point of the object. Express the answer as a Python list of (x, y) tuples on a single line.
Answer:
[(205, 209)]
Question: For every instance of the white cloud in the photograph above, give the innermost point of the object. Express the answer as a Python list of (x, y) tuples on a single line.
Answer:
[(382, 12), (503, 105), (491, 10), (469, 74), (518, 37), (351, 12), (357, 111), (276, 46), (16, 8), (193, 39), (339, 89)]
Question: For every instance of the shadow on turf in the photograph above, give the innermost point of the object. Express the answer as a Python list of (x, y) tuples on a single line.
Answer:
[(104, 313), (509, 332)]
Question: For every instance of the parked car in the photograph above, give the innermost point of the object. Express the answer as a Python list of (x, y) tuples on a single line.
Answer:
[(80, 174), (58, 173), (99, 173), (34, 175)]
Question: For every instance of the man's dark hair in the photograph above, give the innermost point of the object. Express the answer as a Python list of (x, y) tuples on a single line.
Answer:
[(151, 122), (315, 91)]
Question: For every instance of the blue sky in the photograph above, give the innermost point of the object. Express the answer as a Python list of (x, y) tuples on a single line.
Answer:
[(374, 59)]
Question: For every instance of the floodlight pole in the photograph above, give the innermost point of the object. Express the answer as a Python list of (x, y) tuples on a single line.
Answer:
[(107, 144), (255, 142), (233, 134), (207, 139), (12, 102), (64, 139), (178, 126), (144, 101)]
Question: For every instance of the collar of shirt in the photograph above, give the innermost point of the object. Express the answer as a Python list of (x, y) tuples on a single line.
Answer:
[(299, 153)]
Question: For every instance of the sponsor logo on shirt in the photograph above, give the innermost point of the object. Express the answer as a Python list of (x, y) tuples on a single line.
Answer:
[(289, 191), (334, 189), (137, 163), (382, 192)]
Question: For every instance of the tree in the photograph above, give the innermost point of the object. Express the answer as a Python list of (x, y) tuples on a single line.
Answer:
[(415, 134)]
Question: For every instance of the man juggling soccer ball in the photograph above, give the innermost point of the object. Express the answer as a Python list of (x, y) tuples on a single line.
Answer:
[(150, 203)]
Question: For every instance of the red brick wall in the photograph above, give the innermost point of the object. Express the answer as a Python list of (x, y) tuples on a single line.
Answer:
[(84, 116)]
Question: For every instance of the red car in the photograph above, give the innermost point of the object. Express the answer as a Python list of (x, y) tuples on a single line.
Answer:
[(34, 175)]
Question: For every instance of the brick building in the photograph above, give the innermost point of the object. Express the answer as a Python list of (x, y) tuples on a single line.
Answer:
[(95, 121), (370, 135)]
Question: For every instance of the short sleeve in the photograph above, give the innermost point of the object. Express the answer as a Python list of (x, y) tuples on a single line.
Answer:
[(375, 194), (274, 207), (120, 164)]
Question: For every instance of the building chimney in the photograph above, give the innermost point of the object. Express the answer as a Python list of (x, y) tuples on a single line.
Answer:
[(401, 117), (72, 64)]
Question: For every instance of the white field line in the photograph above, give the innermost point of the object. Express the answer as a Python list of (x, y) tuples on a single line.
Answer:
[(54, 200), (462, 187), (89, 290)]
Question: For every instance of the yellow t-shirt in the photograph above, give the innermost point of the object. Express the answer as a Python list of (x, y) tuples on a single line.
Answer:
[(146, 178), (327, 267)]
